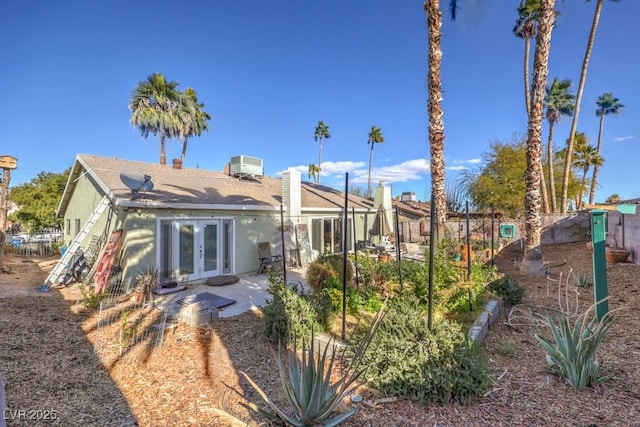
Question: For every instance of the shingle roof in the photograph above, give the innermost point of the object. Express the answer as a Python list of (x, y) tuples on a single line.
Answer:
[(204, 187)]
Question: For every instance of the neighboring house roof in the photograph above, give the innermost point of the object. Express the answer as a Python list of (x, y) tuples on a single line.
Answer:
[(196, 188)]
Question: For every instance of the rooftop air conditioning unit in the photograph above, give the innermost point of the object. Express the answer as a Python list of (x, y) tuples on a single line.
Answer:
[(408, 196), (246, 166)]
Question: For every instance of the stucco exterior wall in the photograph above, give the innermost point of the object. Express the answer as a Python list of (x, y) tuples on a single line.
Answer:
[(623, 230)]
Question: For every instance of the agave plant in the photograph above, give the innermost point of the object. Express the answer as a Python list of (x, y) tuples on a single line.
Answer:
[(573, 357), (306, 381)]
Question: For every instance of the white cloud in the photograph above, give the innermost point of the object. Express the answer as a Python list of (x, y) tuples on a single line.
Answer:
[(623, 138)]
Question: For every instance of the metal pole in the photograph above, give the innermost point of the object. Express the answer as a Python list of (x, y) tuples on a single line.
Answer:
[(355, 252), (468, 244), (431, 251), (398, 254), (345, 255), (493, 227), (600, 291), (284, 258)]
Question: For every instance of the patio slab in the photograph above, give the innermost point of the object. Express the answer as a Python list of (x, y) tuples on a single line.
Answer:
[(250, 293)]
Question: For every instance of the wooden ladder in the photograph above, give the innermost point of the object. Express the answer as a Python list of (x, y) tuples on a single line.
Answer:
[(101, 278)]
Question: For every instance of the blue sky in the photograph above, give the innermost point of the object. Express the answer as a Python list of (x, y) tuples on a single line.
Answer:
[(269, 71)]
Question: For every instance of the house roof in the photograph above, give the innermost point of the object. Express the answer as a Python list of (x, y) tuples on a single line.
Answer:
[(196, 188)]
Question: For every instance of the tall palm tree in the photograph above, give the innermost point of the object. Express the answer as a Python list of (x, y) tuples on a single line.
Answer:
[(525, 29), (434, 109), (193, 120), (154, 105), (607, 105), (586, 156), (574, 123), (375, 137), (321, 132), (532, 262), (313, 171), (560, 102)]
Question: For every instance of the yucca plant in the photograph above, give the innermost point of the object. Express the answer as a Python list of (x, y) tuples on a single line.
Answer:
[(306, 381), (573, 357), (581, 279)]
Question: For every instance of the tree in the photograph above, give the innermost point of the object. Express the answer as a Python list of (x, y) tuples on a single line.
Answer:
[(532, 260), (154, 109), (321, 132), (38, 201), (193, 120), (586, 156), (313, 172), (614, 198), (560, 102), (574, 123), (434, 108), (607, 105), (525, 29), (499, 182), (375, 137)]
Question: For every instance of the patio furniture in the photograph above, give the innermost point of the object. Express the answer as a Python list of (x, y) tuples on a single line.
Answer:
[(267, 260)]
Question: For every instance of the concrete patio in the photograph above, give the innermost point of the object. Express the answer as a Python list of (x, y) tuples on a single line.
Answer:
[(250, 293)]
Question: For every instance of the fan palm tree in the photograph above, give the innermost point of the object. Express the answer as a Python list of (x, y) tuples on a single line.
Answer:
[(154, 106), (375, 137), (560, 102), (532, 261), (574, 123), (313, 171), (321, 132), (607, 105), (193, 120), (586, 156), (525, 29), (434, 109)]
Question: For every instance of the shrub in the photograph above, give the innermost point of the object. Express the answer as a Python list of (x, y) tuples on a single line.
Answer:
[(90, 298), (508, 289), (437, 365), (581, 279), (289, 314), (325, 268)]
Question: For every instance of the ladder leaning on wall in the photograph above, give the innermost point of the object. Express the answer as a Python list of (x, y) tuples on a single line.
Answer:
[(61, 266)]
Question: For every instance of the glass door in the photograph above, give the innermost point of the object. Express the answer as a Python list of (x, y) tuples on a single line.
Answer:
[(196, 249)]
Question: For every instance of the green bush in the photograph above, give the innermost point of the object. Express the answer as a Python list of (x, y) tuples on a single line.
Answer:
[(290, 314), (327, 268), (438, 365), (508, 289), (90, 298)]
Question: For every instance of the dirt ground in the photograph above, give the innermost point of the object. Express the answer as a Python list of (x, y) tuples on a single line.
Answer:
[(54, 377)]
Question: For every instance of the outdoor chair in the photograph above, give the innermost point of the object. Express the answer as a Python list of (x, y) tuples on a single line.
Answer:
[(267, 260)]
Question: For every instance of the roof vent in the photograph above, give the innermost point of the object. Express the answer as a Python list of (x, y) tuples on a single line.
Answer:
[(246, 167)]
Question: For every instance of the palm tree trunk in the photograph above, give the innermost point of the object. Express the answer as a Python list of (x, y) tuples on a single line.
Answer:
[(434, 109), (527, 90), (550, 160), (576, 113), (532, 262), (370, 162), (583, 187), (184, 147), (163, 155), (596, 167), (319, 161), (543, 186)]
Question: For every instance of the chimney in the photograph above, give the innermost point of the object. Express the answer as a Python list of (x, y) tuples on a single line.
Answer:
[(292, 194)]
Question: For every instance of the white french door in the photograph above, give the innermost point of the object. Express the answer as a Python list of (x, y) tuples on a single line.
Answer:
[(196, 249)]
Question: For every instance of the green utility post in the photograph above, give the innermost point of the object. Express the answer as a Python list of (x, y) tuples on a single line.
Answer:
[(600, 292)]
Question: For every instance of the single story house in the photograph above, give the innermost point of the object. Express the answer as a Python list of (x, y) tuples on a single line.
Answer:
[(196, 223)]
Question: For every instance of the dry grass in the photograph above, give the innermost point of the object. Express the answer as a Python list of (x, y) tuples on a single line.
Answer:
[(192, 380)]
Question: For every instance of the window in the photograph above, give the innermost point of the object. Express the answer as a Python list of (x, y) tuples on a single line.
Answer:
[(68, 227), (77, 221)]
